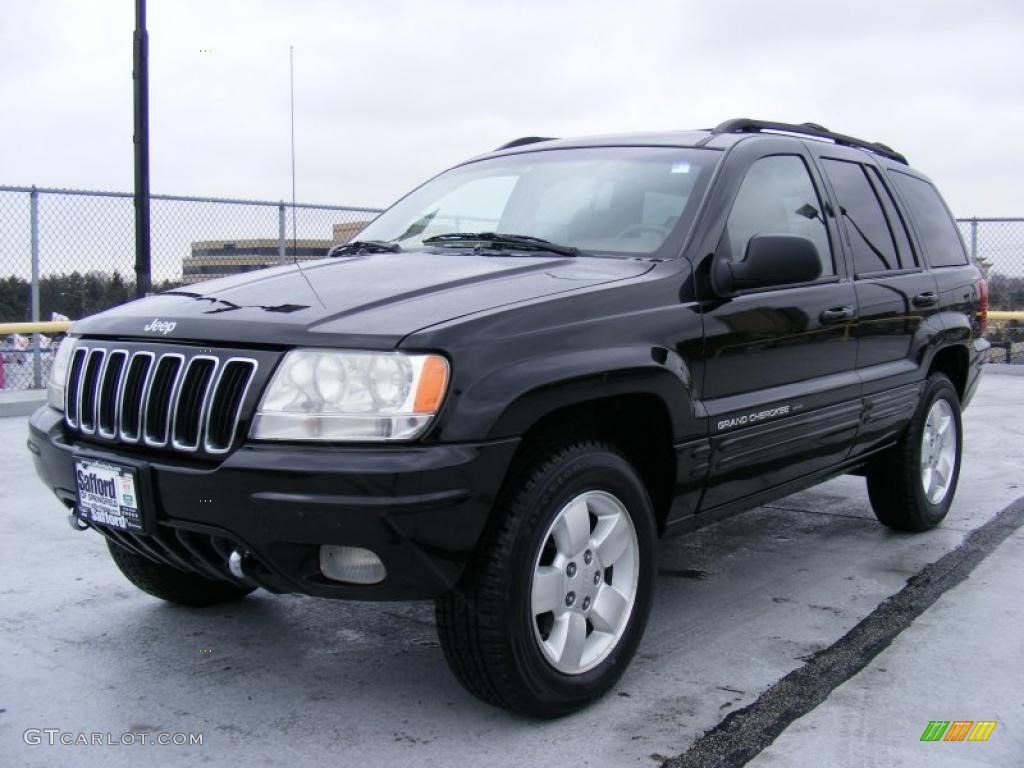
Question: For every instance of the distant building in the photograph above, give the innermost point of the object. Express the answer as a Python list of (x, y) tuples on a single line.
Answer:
[(217, 258)]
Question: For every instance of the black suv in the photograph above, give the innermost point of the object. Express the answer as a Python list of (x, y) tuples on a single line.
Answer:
[(521, 375)]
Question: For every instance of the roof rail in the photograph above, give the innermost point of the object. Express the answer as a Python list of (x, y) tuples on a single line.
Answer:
[(524, 140), (746, 125)]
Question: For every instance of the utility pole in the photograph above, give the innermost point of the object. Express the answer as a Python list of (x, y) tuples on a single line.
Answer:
[(140, 75)]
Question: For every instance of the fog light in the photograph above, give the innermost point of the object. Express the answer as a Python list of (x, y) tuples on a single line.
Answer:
[(351, 564)]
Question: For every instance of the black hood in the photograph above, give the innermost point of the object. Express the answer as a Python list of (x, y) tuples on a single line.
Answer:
[(370, 301)]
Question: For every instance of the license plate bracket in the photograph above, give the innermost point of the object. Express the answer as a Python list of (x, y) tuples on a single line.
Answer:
[(111, 493)]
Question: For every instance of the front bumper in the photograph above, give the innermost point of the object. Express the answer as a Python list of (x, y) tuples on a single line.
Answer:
[(420, 508)]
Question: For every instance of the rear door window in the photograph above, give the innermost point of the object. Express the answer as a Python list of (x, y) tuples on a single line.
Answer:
[(936, 230), (867, 229), (898, 225)]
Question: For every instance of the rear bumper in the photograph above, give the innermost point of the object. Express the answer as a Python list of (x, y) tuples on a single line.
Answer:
[(978, 354), (421, 509)]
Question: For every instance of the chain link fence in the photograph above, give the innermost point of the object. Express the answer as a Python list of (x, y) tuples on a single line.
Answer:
[(68, 253), (998, 245)]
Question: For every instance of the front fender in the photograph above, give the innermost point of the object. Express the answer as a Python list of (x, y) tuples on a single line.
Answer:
[(510, 399)]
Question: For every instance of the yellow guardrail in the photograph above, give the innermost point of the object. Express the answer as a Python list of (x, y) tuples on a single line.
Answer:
[(49, 326), (999, 314)]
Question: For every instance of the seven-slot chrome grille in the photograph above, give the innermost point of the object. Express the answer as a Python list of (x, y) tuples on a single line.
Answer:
[(178, 399)]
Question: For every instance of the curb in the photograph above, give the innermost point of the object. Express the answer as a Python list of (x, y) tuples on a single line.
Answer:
[(1004, 369), (21, 403)]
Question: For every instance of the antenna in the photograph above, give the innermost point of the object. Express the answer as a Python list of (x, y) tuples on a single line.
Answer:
[(295, 240), (291, 77)]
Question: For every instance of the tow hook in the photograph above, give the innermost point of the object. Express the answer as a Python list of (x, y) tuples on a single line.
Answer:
[(76, 522), (236, 564)]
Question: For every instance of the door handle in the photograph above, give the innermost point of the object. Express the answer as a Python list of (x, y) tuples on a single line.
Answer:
[(837, 315), (926, 299)]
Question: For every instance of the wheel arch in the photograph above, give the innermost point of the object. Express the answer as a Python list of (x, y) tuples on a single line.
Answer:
[(953, 361), (637, 423), (639, 397)]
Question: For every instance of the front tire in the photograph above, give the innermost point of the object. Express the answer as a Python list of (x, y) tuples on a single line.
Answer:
[(911, 486), (550, 614), (173, 585)]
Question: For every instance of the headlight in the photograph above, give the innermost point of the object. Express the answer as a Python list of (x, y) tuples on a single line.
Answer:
[(359, 396), (59, 374)]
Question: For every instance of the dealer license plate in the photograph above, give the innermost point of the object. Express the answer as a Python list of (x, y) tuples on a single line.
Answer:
[(108, 494)]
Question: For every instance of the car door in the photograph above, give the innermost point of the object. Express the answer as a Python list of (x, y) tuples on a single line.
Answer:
[(896, 298), (779, 382)]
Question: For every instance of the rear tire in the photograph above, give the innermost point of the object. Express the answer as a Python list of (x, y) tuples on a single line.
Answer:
[(549, 615), (172, 585), (911, 486)]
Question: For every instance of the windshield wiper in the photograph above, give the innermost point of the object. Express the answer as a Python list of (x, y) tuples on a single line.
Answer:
[(361, 246), (523, 242)]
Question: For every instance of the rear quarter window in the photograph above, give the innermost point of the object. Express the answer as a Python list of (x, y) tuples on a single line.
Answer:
[(938, 233)]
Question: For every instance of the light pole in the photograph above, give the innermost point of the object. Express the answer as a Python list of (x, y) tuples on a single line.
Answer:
[(140, 76)]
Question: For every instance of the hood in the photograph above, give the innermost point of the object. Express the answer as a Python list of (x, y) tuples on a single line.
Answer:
[(365, 301)]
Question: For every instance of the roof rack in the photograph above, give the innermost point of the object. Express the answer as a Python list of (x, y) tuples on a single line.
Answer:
[(524, 140), (746, 125)]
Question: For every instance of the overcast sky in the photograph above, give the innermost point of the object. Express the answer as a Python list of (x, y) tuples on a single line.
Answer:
[(387, 93)]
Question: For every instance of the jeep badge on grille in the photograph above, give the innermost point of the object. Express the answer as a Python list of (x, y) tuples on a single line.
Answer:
[(156, 325)]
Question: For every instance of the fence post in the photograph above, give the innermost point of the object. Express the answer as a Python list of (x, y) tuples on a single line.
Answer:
[(974, 240), (280, 233), (37, 363)]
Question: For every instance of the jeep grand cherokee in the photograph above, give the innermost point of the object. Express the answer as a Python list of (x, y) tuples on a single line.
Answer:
[(520, 376)]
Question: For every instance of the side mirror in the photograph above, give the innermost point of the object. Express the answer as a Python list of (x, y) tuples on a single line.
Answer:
[(770, 260)]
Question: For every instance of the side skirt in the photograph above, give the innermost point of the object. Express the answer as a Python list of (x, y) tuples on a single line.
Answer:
[(713, 515)]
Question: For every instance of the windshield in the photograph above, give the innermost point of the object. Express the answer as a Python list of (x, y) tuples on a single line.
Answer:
[(611, 200)]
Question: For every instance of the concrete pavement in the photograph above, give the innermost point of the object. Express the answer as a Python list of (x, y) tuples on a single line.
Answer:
[(293, 680), (20, 402), (962, 660)]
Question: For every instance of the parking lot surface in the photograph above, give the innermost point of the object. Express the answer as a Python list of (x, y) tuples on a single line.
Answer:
[(278, 680)]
